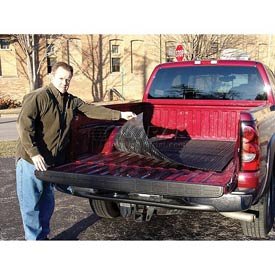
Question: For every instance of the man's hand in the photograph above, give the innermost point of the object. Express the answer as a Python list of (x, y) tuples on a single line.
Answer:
[(128, 115), (39, 163)]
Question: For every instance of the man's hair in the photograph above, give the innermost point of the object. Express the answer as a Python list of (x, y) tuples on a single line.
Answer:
[(63, 65)]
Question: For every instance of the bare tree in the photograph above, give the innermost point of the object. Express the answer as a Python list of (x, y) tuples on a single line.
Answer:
[(94, 60), (207, 46), (36, 50), (92, 67)]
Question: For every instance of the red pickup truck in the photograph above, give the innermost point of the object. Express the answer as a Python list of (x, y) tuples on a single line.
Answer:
[(203, 140)]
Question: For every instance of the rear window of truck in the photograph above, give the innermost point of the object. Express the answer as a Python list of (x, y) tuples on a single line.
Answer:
[(208, 82)]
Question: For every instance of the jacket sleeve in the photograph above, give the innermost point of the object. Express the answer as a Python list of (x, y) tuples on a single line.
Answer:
[(97, 112), (25, 125)]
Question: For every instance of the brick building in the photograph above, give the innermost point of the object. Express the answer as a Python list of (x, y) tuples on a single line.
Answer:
[(123, 62)]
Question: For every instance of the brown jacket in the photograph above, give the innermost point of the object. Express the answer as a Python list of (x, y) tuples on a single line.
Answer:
[(44, 123)]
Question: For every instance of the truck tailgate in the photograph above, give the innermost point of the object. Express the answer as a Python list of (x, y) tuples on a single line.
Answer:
[(134, 173)]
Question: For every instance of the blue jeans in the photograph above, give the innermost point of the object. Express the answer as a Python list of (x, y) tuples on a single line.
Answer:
[(36, 201)]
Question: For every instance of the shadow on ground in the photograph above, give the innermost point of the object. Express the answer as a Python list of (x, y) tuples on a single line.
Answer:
[(73, 232)]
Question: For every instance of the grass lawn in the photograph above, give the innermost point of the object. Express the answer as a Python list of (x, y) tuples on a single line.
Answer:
[(7, 148)]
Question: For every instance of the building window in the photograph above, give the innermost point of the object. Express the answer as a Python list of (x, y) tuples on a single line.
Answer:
[(214, 50), (50, 49), (214, 47), (4, 44), (115, 65), (50, 62), (170, 53), (170, 47), (8, 65), (51, 58), (115, 49)]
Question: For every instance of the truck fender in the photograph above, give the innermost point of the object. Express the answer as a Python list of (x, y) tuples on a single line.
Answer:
[(269, 167)]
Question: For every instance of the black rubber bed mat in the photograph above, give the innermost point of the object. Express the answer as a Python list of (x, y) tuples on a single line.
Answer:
[(209, 155)]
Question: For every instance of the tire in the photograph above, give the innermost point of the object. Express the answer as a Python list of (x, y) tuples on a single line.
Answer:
[(105, 209), (265, 218)]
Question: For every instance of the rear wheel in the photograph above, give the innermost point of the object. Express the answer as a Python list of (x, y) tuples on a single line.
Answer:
[(105, 209), (264, 218)]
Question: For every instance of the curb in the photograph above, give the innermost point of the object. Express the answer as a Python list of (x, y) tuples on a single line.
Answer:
[(10, 112)]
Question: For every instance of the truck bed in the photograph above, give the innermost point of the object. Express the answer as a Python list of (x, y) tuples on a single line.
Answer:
[(207, 166), (96, 164), (129, 172)]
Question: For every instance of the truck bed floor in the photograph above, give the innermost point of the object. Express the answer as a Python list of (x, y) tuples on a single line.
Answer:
[(130, 165)]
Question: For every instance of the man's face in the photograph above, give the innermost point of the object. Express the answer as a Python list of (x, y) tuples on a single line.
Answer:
[(61, 80)]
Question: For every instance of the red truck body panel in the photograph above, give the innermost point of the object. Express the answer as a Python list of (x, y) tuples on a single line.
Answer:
[(200, 121)]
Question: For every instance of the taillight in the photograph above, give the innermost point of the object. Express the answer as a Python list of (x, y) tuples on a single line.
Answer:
[(249, 149)]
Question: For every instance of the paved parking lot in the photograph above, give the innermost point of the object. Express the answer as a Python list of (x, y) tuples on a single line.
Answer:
[(72, 215), (74, 220)]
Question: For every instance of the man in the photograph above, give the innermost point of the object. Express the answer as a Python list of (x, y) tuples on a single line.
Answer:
[(43, 126)]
